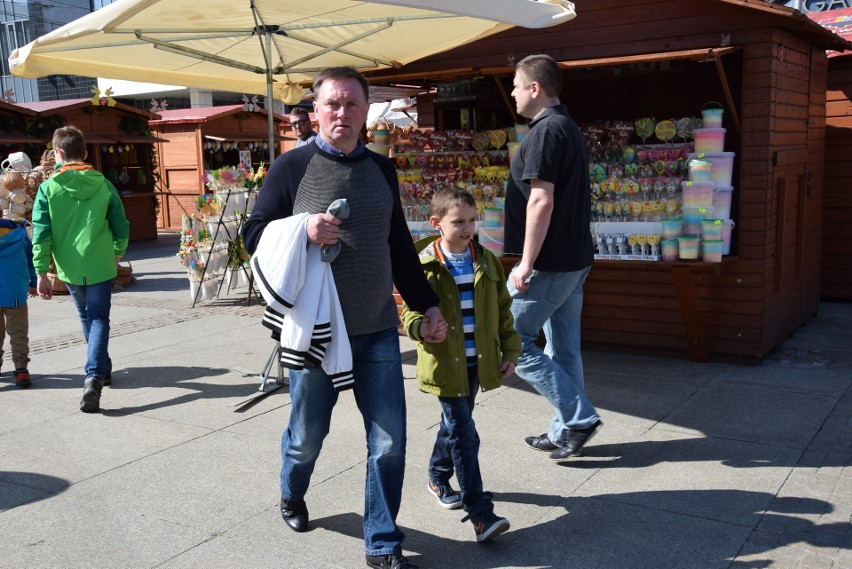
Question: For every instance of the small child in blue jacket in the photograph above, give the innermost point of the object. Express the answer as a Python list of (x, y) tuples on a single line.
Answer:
[(17, 281)]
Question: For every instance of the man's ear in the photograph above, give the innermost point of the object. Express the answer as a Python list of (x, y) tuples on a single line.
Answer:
[(85, 155)]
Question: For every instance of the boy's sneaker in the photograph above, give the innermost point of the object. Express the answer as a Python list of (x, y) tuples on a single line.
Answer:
[(447, 498), (22, 378), (489, 526)]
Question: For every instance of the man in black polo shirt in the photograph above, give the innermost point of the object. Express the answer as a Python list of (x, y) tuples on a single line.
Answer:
[(547, 223)]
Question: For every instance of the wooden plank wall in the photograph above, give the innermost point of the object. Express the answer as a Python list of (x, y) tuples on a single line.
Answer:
[(836, 282), (180, 173)]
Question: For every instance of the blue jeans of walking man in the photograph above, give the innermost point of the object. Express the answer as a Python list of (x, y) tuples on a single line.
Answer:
[(93, 305), (554, 303), (457, 448), (379, 394)]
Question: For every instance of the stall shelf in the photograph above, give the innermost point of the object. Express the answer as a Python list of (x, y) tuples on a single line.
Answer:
[(626, 59)]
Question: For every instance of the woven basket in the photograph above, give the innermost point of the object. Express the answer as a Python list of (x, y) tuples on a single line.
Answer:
[(57, 285), (124, 274)]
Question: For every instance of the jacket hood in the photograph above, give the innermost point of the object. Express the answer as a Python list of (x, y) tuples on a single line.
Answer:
[(12, 238), (85, 184)]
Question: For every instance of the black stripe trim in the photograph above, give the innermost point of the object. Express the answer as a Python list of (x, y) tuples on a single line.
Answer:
[(256, 265)]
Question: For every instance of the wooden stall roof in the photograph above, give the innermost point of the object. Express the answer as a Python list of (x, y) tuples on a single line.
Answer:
[(205, 114), (436, 67), (16, 108), (838, 22), (48, 108)]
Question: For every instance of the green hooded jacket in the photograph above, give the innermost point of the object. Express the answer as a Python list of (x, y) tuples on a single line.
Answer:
[(442, 368), (79, 218)]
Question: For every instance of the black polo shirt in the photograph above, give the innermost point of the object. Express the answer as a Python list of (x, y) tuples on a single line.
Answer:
[(554, 151)]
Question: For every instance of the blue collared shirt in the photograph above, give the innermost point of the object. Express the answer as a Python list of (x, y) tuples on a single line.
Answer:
[(326, 147)]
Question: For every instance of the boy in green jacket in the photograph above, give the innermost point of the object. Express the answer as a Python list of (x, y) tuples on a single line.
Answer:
[(480, 349), (79, 219)]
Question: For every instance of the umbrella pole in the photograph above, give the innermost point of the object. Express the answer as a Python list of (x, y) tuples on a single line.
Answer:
[(269, 104)]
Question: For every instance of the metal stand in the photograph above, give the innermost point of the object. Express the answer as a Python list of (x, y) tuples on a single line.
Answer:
[(266, 386)]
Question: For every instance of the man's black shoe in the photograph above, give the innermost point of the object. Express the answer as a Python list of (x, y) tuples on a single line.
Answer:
[(392, 561), (107, 380), (573, 441), (295, 513), (541, 443), (91, 402)]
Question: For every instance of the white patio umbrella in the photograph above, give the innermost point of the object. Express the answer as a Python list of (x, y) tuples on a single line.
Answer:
[(267, 47)]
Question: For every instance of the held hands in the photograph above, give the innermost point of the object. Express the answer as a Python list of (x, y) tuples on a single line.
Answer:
[(45, 289), (433, 327), (506, 369), (323, 229)]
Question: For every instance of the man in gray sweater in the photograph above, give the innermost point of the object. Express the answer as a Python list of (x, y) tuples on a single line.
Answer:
[(376, 253)]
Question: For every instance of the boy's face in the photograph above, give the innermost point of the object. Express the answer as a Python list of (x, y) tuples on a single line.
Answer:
[(456, 227)]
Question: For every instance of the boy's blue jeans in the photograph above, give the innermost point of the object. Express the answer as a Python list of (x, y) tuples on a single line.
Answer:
[(93, 305), (380, 397), (457, 447)]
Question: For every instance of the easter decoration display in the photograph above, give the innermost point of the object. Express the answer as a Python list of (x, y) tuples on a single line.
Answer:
[(210, 245), (429, 160), (661, 190)]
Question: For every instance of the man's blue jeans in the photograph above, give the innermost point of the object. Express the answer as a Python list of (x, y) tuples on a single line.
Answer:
[(93, 305), (554, 303), (457, 445), (380, 397)]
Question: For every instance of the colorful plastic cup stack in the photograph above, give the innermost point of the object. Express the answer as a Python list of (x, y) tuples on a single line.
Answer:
[(697, 194), (700, 170), (687, 246), (711, 251), (722, 165), (712, 117), (668, 249), (711, 229), (722, 197), (672, 228), (692, 217), (709, 140)]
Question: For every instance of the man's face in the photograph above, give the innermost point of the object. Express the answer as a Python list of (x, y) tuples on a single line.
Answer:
[(301, 126), (341, 110), (522, 93)]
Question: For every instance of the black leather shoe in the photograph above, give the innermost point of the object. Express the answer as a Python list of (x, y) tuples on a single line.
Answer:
[(573, 441), (91, 402), (541, 443), (107, 380), (392, 561), (295, 513)]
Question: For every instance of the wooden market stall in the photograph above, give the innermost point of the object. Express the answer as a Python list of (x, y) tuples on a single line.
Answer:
[(836, 273), (119, 146), (22, 130), (204, 139), (626, 59)]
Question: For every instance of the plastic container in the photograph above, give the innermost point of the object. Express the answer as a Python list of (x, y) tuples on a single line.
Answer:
[(709, 140), (668, 249), (692, 218), (687, 247), (700, 170), (711, 251), (491, 238), (712, 117), (697, 194), (492, 217), (722, 169), (727, 230), (672, 228), (722, 197), (711, 229)]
